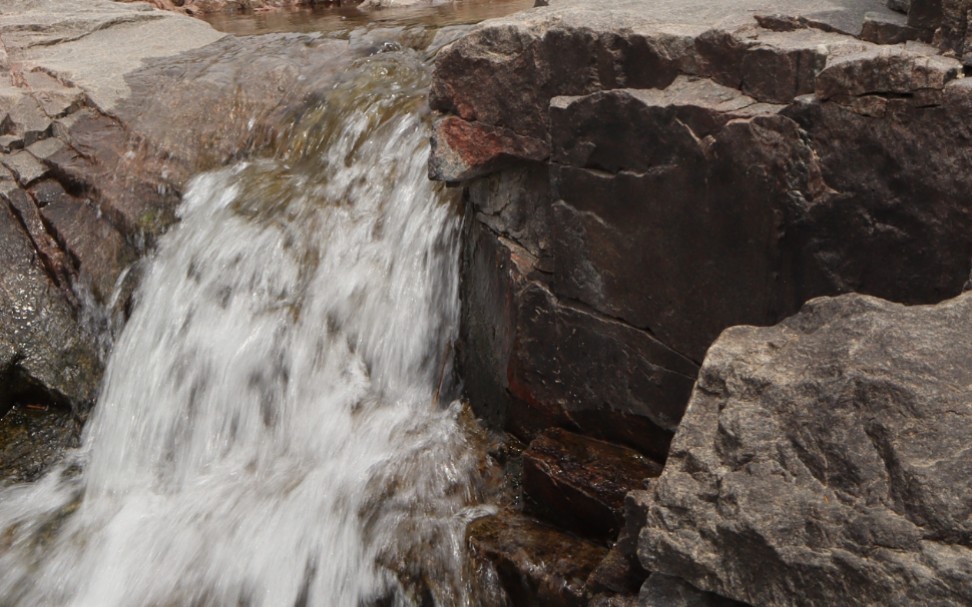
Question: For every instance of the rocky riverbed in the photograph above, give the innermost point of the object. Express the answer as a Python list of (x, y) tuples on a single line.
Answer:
[(640, 180)]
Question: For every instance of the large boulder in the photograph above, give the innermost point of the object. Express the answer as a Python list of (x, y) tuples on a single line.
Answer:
[(825, 461)]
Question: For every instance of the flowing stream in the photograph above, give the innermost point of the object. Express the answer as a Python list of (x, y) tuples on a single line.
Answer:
[(275, 425)]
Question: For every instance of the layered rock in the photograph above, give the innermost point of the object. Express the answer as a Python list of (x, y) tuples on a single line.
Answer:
[(650, 175), (824, 461)]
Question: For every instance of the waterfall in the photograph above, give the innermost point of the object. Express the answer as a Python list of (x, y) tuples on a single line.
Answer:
[(274, 426)]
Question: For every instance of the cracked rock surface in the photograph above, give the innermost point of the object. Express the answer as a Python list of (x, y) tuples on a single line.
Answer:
[(639, 178), (642, 176)]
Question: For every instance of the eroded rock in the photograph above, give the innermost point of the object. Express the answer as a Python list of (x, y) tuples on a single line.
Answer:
[(824, 461), (765, 155)]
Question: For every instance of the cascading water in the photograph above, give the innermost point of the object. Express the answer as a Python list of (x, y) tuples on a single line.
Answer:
[(270, 430)]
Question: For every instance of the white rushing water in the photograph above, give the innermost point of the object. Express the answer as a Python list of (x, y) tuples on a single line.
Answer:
[(272, 429)]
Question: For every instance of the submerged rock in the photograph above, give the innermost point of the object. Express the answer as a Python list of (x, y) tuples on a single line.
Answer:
[(824, 461)]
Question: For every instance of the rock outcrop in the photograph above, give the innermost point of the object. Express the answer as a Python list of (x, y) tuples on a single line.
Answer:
[(643, 176), (824, 461)]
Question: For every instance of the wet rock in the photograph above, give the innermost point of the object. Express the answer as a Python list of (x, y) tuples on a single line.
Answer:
[(33, 438), (619, 572), (87, 103), (536, 564), (464, 150), (662, 590), (44, 352), (580, 483), (827, 454), (100, 250), (58, 266)]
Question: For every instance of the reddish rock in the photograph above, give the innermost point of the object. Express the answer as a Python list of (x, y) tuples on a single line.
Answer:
[(580, 483), (463, 150), (535, 564)]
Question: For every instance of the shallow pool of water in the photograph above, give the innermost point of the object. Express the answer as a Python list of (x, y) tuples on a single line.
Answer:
[(336, 17)]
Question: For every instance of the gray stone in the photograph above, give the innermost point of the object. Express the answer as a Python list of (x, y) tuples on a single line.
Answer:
[(10, 143), (25, 167), (94, 46), (29, 120), (954, 35), (885, 71), (824, 461), (890, 28), (45, 148), (662, 590)]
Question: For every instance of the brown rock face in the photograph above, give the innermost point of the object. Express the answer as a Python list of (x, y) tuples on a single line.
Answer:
[(580, 483), (536, 564), (709, 166)]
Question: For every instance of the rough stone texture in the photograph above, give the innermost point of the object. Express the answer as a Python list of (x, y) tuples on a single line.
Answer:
[(887, 29), (710, 164), (955, 32), (43, 349), (536, 564), (666, 591), (580, 483), (925, 16), (465, 150), (32, 439), (824, 461)]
